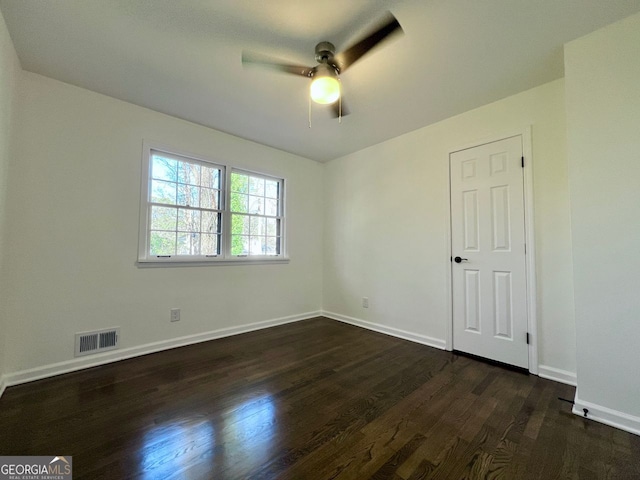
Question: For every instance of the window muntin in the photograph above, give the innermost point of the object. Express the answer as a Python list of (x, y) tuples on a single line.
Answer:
[(195, 211), (256, 214)]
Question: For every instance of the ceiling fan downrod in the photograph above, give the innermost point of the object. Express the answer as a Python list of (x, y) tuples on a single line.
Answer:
[(325, 52)]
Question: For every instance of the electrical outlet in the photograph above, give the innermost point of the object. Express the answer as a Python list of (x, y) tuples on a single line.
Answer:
[(365, 302), (175, 314)]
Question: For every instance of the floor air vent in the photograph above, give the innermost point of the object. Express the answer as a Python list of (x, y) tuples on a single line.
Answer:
[(95, 342)]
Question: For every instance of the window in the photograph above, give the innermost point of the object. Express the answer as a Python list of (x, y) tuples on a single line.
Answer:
[(255, 214), (197, 211), (184, 207)]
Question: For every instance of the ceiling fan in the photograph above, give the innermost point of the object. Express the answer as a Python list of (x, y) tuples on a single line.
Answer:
[(325, 83)]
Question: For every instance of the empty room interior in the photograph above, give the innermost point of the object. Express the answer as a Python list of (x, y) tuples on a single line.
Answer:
[(321, 240)]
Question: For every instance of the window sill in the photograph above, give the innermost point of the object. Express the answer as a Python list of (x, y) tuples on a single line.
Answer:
[(209, 263)]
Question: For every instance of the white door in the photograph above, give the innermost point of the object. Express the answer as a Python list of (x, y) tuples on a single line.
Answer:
[(488, 250)]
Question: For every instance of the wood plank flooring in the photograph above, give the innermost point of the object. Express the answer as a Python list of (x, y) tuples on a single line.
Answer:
[(316, 399)]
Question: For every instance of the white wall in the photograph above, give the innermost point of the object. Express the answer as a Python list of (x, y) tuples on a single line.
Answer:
[(73, 214), (603, 118), (386, 224), (9, 71)]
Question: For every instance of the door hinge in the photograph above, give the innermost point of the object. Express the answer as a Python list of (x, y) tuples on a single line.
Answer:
[(522, 158), (527, 338), (525, 248)]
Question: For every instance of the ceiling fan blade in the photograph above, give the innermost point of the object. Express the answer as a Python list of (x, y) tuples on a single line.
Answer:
[(335, 108), (388, 25), (271, 63)]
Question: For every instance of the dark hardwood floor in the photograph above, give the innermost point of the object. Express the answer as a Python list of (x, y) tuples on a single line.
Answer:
[(311, 400)]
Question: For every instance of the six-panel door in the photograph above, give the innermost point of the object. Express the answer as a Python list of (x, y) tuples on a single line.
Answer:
[(488, 234)]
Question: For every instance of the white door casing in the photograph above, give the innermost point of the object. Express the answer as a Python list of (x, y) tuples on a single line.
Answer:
[(489, 287)]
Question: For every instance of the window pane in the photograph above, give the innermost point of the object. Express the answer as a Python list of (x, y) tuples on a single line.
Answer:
[(162, 243), (239, 203), (239, 182), (257, 246), (210, 222), (210, 177), (271, 207), (164, 168), (163, 218), (256, 205), (239, 245), (188, 195), (188, 220), (271, 190), (209, 244), (210, 198), (188, 244), (257, 225), (189, 173), (272, 246), (256, 186), (163, 192), (239, 225), (272, 226)]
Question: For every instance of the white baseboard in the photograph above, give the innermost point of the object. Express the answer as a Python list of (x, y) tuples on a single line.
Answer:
[(3, 384), (613, 418), (557, 375), (394, 332), (67, 366)]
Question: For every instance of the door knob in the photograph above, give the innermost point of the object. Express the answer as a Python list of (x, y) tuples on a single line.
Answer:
[(460, 260)]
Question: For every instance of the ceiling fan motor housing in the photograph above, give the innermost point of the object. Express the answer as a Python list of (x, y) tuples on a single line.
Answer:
[(325, 70)]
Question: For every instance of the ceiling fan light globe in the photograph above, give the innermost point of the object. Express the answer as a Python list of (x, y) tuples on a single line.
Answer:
[(325, 90)]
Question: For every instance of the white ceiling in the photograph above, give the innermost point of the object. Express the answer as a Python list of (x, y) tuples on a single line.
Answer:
[(183, 58)]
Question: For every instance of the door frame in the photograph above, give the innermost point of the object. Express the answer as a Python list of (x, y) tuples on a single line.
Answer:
[(530, 257)]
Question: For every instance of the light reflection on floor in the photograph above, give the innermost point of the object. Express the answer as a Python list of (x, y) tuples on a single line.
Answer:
[(245, 431), (251, 429), (170, 449)]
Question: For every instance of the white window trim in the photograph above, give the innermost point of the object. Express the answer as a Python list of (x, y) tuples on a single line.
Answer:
[(225, 257)]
